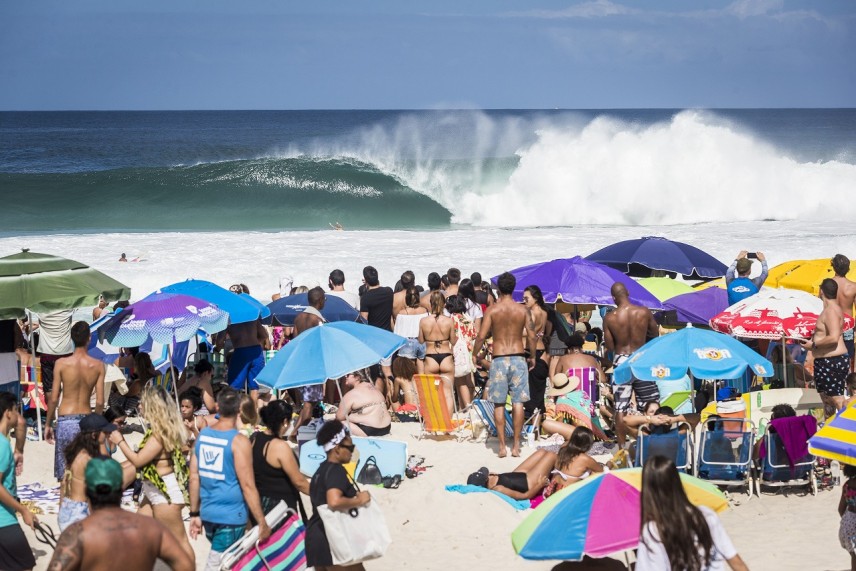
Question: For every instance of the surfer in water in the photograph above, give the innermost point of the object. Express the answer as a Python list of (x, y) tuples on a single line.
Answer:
[(336, 226), (122, 258)]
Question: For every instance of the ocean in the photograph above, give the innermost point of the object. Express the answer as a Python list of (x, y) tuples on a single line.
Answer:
[(249, 196)]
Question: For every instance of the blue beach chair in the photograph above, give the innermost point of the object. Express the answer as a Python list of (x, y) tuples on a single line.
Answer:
[(725, 454)]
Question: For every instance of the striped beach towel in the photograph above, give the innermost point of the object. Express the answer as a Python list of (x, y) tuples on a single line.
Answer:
[(284, 549)]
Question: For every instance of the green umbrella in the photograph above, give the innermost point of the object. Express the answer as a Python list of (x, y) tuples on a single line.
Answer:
[(43, 283), (665, 288)]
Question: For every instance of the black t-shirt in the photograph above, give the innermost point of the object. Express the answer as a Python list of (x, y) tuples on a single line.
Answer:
[(378, 303), (329, 475)]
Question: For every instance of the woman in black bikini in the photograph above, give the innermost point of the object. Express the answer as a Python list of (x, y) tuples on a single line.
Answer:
[(438, 333)]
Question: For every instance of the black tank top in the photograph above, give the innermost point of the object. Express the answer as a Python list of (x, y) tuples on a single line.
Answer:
[(271, 482)]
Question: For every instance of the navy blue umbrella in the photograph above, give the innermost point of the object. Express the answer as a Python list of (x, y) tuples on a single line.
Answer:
[(285, 309), (638, 258)]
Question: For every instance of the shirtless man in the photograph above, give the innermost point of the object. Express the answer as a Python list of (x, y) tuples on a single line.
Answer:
[(248, 359), (506, 321), (846, 297), (408, 278), (831, 361), (454, 277), (113, 538), (625, 330), (311, 317), (75, 379)]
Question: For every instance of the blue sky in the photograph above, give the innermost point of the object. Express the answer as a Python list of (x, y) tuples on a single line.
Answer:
[(393, 54)]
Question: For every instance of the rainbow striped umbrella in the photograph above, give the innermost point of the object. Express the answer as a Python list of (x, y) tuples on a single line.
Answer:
[(597, 517), (837, 439)]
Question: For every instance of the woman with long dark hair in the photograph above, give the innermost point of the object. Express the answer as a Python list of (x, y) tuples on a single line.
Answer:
[(676, 534), (533, 299)]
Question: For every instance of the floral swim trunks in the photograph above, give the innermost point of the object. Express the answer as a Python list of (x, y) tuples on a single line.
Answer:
[(508, 374)]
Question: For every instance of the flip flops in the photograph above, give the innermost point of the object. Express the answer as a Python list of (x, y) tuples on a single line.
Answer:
[(391, 482)]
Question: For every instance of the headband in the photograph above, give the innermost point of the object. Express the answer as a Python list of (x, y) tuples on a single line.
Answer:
[(336, 440)]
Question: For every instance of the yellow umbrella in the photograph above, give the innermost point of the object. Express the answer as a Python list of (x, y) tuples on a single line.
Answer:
[(804, 275), (837, 439), (718, 282)]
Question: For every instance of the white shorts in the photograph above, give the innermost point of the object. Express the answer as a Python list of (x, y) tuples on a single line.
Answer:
[(157, 498)]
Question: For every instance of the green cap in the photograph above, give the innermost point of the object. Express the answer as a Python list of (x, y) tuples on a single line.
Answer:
[(103, 472)]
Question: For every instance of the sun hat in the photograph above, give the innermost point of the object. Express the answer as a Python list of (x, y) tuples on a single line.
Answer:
[(560, 384)]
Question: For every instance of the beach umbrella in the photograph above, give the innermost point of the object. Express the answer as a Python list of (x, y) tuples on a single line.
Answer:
[(698, 306), (717, 283), (837, 439), (328, 351), (773, 314), (285, 309), (639, 257), (42, 283), (597, 517), (578, 281), (804, 275), (665, 288), (241, 308), (702, 353)]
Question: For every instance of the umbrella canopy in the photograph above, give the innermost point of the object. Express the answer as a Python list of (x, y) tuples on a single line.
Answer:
[(44, 283), (699, 306), (597, 517), (837, 439), (165, 317), (804, 275), (665, 288), (706, 354), (578, 281), (328, 351), (773, 314), (241, 308), (285, 309), (639, 257)]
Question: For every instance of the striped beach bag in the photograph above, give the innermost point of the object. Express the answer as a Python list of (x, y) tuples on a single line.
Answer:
[(283, 550)]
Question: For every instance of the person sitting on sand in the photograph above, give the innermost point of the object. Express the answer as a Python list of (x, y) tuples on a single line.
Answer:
[(363, 407), (544, 471), (403, 388)]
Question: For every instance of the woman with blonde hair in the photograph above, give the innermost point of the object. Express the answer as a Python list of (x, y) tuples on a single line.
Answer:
[(162, 465)]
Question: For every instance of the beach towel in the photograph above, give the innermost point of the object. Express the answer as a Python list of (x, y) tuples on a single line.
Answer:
[(794, 433), (466, 489), (46, 498)]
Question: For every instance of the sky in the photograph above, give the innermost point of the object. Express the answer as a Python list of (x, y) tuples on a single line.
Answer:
[(398, 54)]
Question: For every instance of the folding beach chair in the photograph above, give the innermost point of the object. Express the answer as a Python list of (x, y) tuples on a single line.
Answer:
[(433, 407), (675, 445), (725, 455), (776, 469), (485, 410)]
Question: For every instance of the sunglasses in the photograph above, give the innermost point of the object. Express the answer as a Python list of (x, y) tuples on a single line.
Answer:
[(349, 447)]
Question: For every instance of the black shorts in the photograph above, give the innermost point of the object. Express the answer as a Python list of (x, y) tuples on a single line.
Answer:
[(15, 552), (372, 431), (830, 373)]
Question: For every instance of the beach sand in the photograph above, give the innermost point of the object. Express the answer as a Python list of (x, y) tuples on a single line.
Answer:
[(435, 529)]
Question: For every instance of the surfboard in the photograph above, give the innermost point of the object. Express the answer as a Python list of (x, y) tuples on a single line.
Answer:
[(390, 455)]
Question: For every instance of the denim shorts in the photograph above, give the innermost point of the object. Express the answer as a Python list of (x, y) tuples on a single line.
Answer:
[(412, 349)]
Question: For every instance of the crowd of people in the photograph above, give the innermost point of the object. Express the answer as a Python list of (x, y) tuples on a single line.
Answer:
[(221, 451)]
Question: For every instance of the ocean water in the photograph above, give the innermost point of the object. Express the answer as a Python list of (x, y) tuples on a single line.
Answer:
[(249, 196)]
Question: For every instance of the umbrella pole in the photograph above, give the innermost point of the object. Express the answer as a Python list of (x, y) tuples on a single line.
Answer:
[(169, 351), (784, 363), (35, 377)]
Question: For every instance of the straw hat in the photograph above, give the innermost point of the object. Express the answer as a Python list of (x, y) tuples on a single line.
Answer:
[(560, 384)]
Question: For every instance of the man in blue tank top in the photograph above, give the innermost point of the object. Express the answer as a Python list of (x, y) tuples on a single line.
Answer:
[(222, 484), (742, 286)]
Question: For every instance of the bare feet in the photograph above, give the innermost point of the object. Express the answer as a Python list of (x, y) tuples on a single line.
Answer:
[(515, 451), (502, 452)]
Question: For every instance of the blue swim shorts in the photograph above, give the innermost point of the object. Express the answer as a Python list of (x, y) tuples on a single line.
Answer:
[(508, 374)]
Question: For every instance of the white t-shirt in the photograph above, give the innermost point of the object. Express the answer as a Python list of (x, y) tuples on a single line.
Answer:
[(651, 555), (352, 298), (55, 332)]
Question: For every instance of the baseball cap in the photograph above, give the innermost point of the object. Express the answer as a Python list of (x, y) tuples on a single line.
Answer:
[(744, 265), (103, 471), (479, 477), (96, 423)]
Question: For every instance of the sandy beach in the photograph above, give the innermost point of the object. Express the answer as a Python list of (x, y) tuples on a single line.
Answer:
[(435, 529)]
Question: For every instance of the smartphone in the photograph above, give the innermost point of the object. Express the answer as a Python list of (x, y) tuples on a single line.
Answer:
[(752, 255)]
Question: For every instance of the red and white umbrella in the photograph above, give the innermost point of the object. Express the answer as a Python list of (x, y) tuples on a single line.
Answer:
[(773, 314)]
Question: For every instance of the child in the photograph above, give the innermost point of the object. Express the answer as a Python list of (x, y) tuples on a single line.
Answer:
[(847, 511)]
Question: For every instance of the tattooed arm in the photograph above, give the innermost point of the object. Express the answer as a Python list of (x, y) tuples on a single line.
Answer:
[(69, 550)]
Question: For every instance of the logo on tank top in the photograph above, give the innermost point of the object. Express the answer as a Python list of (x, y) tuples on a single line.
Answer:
[(210, 458)]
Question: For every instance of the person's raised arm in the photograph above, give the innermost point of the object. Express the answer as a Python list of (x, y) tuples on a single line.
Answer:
[(172, 553), (242, 453), (144, 457), (99, 390), (68, 554), (53, 402), (759, 281)]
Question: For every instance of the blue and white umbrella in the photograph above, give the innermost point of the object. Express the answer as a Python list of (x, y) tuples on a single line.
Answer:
[(328, 351), (241, 308)]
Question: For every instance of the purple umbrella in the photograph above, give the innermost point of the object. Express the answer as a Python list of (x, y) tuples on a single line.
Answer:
[(578, 281), (639, 257), (696, 307)]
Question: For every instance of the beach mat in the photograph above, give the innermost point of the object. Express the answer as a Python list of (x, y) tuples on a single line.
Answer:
[(469, 489), (46, 498)]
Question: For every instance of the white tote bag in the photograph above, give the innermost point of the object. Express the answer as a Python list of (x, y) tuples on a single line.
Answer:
[(359, 534)]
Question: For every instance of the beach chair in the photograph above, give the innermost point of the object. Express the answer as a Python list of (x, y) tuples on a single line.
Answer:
[(433, 408), (725, 455), (776, 469), (485, 410), (675, 445)]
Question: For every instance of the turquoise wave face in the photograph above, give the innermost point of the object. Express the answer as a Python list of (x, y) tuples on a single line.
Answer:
[(256, 194)]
